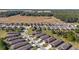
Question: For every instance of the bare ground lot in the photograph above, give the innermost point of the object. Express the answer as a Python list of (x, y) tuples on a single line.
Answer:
[(30, 19)]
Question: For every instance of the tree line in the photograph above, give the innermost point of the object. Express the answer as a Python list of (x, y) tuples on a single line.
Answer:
[(68, 16)]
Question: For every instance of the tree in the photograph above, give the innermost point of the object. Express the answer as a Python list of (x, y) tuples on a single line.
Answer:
[(71, 36), (53, 31)]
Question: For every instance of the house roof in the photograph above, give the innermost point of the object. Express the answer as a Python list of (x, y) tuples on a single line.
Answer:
[(65, 46), (56, 43), (26, 47), (50, 39), (17, 45), (16, 41), (44, 37)]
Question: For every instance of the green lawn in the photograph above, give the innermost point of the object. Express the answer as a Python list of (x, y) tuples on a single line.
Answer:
[(2, 45), (48, 32), (3, 34), (30, 31)]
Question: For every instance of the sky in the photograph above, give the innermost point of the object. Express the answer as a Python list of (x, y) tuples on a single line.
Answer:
[(39, 4)]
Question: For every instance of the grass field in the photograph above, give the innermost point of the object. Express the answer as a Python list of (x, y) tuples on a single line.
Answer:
[(3, 34), (30, 31), (2, 46)]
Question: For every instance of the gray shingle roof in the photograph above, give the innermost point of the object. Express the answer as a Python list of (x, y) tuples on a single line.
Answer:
[(56, 43), (16, 41), (12, 38), (50, 39), (65, 46), (26, 47), (12, 35), (35, 33), (17, 45), (44, 37), (39, 35)]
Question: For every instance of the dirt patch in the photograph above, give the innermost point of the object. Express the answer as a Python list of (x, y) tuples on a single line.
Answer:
[(30, 19)]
